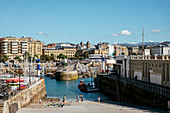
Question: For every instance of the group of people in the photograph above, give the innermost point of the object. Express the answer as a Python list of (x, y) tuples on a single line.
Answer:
[(78, 99), (81, 98)]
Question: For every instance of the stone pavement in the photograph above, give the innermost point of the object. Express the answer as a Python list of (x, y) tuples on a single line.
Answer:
[(88, 107)]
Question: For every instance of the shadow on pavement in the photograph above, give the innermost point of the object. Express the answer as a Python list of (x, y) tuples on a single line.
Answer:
[(145, 109)]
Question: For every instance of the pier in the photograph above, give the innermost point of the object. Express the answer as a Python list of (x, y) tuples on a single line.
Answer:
[(29, 95), (134, 91)]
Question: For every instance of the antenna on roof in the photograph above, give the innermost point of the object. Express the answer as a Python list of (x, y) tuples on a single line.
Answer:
[(143, 41)]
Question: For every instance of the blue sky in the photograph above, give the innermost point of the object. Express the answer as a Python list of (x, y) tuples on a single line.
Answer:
[(114, 21)]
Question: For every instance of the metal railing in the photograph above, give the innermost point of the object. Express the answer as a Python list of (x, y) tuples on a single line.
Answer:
[(158, 89)]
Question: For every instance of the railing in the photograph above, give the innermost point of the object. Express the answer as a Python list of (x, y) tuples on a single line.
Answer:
[(161, 90), (148, 57)]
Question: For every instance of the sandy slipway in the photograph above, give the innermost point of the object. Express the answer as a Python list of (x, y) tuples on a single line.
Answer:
[(88, 107)]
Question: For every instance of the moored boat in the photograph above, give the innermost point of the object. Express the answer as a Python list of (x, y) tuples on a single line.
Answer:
[(81, 83)]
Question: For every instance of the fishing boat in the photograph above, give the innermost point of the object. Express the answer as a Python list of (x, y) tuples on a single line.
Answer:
[(15, 83), (81, 83)]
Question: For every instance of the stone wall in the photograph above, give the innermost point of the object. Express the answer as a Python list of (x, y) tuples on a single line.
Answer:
[(120, 91), (25, 97), (67, 75)]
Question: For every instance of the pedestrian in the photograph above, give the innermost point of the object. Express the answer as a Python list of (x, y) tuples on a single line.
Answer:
[(99, 99), (77, 98), (81, 97), (40, 101), (64, 98), (136, 78)]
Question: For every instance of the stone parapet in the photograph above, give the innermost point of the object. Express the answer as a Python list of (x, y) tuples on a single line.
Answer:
[(30, 95)]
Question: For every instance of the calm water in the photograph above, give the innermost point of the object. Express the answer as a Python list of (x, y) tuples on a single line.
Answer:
[(56, 88)]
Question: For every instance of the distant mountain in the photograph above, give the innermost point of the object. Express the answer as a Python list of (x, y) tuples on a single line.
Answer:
[(138, 44)]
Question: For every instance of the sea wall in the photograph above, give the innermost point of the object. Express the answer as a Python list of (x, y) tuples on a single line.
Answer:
[(66, 75), (121, 91), (30, 95)]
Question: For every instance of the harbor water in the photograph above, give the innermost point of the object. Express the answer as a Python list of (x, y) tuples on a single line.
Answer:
[(57, 89)]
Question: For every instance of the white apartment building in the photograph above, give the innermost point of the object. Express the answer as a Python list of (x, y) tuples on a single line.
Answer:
[(160, 50)]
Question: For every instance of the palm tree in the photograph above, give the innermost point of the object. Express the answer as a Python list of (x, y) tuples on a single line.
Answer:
[(36, 56)]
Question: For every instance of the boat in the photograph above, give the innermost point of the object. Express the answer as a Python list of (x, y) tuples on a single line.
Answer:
[(14, 83), (83, 88), (53, 77), (49, 74), (81, 83)]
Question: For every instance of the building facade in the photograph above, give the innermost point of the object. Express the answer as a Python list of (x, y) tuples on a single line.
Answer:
[(12, 46), (160, 50), (69, 51), (34, 47), (151, 69)]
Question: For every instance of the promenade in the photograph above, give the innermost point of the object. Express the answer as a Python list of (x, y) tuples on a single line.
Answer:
[(88, 107)]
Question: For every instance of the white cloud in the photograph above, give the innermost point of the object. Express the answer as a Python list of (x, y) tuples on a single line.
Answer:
[(156, 30), (41, 33), (151, 41), (122, 33), (125, 32)]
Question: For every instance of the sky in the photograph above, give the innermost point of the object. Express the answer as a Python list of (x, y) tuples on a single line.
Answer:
[(113, 21)]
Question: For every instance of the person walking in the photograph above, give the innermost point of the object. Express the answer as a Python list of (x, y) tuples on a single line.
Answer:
[(81, 97), (40, 101), (64, 98), (99, 99), (77, 98)]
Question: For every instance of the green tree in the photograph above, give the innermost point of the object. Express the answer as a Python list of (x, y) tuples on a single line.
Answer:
[(62, 56), (86, 54), (18, 58), (36, 56), (5, 58), (52, 57)]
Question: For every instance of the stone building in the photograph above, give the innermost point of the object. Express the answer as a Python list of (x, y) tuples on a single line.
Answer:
[(12, 46), (160, 50), (120, 50), (88, 45), (56, 50), (34, 47), (154, 69)]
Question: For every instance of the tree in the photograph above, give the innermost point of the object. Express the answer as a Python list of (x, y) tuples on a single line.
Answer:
[(5, 58), (62, 56), (86, 54), (18, 58), (76, 55), (36, 56), (52, 57)]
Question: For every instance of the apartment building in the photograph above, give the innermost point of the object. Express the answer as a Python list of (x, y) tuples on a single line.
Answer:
[(12, 46), (160, 50), (65, 49), (34, 47), (120, 50)]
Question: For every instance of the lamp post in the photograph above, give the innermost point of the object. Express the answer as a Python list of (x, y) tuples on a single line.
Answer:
[(30, 74), (19, 81)]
